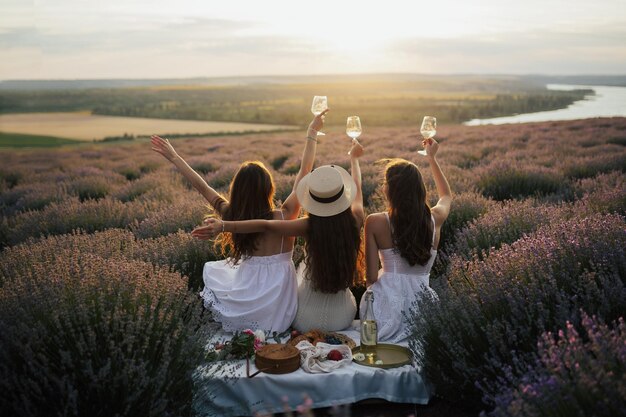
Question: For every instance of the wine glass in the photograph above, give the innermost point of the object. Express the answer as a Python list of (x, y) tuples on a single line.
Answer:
[(353, 127), (320, 103), (428, 130)]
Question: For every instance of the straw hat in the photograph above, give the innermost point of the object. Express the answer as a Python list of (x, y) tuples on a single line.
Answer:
[(326, 191)]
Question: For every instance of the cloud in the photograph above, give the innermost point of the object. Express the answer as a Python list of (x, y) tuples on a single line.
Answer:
[(120, 45), (600, 50), (204, 36)]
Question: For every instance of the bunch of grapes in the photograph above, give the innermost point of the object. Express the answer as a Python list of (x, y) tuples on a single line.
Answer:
[(332, 340)]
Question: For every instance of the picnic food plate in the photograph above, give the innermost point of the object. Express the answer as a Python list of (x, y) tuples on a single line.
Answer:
[(316, 336), (392, 356)]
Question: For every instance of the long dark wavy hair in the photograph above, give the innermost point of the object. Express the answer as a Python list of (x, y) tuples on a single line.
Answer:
[(409, 213), (332, 248), (251, 197)]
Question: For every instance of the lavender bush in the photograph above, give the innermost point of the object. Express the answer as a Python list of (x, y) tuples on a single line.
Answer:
[(503, 181), (503, 223), (90, 336), (177, 251), (91, 215), (576, 375), (467, 207), (490, 308), (602, 194), (184, 214), (591, 166), (33, 196), (94, 186)]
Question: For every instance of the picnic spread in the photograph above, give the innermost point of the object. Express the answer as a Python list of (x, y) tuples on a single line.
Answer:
[(329, 374)]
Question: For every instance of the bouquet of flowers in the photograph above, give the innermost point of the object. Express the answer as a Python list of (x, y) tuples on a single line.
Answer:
[(242, 345)]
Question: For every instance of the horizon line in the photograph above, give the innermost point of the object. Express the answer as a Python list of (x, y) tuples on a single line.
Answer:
[(217, 77)]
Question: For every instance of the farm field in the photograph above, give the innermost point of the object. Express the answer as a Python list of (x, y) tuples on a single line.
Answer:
[(88, 127), (98, 268)]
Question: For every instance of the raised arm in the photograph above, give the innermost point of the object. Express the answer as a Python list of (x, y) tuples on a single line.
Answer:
[(213, 227), (442, 209), (163, 147), (291, 206), (355, 169)]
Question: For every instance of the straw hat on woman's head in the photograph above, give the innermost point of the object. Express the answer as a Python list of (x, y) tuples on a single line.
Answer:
[(326, 191)]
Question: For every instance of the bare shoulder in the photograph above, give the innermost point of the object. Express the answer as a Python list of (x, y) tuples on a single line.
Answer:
[(440, 214), (376, 221)]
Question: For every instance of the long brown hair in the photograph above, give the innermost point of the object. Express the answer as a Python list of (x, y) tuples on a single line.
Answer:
[(412, 226), (332, 247), (251, 197)]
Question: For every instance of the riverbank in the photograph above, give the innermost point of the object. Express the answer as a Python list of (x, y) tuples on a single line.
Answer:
[(606, 101)]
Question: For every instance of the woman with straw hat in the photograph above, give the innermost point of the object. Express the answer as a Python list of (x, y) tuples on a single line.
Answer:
[(334, 202)]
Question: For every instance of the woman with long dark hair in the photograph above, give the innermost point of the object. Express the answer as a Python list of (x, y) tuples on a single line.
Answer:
[(405, 239), (334, 202), (255, 286)]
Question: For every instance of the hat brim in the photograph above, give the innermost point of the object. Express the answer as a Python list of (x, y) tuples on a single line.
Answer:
[(327, 209)]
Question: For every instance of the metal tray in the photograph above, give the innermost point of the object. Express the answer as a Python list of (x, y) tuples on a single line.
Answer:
[(392, 356)]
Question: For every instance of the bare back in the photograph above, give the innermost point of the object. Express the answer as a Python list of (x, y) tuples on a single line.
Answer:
[(273, 243), (381, 231)]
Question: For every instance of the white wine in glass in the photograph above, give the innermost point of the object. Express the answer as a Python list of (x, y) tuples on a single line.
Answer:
[(320, 103), (428, 130), (353, 127)]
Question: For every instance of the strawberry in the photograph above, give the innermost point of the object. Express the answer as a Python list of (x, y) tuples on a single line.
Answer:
[(334, 355)]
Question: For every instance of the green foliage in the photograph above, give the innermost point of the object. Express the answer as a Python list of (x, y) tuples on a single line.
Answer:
[(17, 140)]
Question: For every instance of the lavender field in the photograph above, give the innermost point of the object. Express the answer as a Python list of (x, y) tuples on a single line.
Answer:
[(99, 275)]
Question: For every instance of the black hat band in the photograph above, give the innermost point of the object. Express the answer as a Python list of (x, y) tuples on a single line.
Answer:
[(327, 200)]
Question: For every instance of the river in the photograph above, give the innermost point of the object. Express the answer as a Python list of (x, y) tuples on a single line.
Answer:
[(606, 102)]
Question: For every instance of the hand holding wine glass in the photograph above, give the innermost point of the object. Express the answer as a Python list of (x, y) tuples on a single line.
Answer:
[(428, 130), (320, 103), (317, 123)]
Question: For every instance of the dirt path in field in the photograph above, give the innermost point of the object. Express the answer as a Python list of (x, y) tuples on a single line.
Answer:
[(84, 126)]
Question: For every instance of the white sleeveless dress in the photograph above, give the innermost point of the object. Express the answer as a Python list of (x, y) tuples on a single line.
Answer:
[(399, 285), (260, 292), (317, 310)]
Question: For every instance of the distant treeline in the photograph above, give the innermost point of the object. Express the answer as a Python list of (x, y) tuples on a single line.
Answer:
[(382, 101)]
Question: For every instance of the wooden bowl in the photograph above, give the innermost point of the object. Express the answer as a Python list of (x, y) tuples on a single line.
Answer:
[(277, 359)]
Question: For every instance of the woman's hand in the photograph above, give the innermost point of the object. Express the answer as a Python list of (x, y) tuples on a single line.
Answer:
[(317, 123), (431, 146), (212, 228), (356, 151), (163, 147)]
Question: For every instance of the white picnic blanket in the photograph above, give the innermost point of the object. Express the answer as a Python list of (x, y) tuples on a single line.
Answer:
[(231, 393)]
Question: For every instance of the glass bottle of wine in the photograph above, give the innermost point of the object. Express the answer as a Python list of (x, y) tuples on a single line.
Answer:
[(369, 329)]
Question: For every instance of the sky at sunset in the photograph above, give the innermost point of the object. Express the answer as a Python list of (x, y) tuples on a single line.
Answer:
[(88, 39)]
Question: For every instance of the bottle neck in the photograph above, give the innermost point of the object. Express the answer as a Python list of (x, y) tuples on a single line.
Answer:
[(369, 308)]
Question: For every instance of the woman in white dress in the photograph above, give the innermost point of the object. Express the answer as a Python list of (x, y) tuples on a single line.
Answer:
[(255, 287), (334, 202), (405, 238)]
